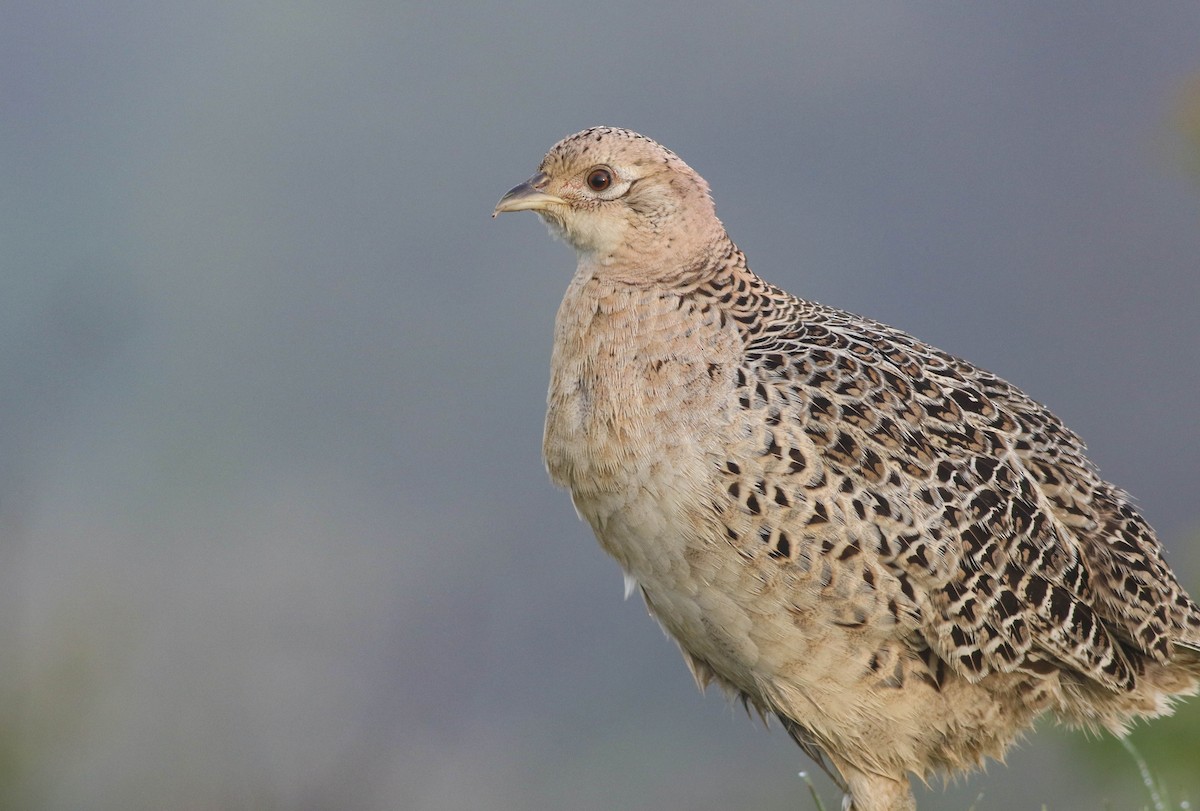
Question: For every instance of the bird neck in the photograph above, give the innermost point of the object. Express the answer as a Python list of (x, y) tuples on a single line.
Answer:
[(707, 260)]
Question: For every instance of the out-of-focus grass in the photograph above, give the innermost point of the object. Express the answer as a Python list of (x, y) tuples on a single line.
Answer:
[(1169, 751), (1166, 749), (1186, 121), (812, 789)]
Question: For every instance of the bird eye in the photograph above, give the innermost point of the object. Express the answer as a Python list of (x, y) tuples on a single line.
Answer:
[(599, 179)]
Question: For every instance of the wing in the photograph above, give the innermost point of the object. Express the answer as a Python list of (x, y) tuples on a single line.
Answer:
[(977, 500)]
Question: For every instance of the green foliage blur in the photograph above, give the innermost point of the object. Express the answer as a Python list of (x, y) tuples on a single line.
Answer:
[(1170, 748), (1187, 124)]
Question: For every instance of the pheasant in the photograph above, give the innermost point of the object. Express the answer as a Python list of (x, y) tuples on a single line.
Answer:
[(898, 554)]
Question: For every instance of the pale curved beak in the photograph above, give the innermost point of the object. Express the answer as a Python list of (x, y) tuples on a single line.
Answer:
[(528, 196)]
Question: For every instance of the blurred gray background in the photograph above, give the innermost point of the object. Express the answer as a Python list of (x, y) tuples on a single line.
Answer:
[(274, 526)]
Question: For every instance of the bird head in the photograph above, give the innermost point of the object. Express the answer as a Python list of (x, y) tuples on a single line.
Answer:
[(622, 201)]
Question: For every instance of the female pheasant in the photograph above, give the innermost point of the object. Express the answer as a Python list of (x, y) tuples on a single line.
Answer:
[(900, 555)]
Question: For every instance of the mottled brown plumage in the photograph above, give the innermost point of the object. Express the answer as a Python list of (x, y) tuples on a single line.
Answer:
[(900, 555)]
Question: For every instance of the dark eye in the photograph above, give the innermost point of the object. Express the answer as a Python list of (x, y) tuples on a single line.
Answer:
[(599, 179)]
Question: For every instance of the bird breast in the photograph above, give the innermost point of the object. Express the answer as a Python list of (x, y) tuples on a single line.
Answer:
[(634, 376)]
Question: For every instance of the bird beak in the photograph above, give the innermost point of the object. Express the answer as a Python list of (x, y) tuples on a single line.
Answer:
[(527, 196)]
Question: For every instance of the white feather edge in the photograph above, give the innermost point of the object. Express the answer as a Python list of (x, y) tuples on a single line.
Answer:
[(631, 584)]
